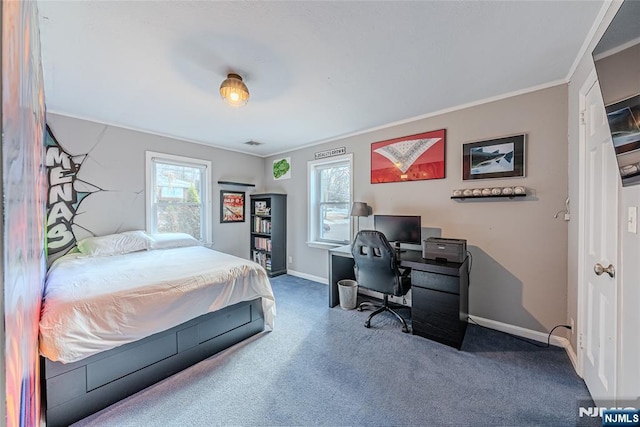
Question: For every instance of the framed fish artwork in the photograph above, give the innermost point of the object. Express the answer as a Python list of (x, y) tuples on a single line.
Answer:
[(494, 158), (409, 158)]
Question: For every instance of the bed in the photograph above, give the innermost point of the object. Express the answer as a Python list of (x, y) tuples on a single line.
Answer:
[(115, 320)]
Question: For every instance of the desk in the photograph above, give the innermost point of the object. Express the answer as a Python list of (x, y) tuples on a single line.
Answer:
[(440, 297)]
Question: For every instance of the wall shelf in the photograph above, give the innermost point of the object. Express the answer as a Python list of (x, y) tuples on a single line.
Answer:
[(499, 196), (238, 184)]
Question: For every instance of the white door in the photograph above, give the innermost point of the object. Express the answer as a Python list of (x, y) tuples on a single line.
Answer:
[(598, 284)]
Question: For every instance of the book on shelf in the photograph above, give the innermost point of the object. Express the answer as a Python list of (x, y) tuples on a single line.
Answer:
[(262, 243), (263, 259), (261, 225)]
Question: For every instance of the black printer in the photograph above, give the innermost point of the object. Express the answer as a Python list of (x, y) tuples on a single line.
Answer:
[(442, 249)]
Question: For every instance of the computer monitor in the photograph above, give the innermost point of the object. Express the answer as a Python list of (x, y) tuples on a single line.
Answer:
[(399, 228)]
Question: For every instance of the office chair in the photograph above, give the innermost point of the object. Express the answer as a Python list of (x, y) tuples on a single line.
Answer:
[(376, 268)]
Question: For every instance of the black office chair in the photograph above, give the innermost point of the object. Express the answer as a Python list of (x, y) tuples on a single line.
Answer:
[(376, 268)]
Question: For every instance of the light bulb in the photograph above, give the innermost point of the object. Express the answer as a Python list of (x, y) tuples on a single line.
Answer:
[(234, 91)]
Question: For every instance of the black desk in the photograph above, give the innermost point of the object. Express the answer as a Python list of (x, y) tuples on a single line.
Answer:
[(440, 297)]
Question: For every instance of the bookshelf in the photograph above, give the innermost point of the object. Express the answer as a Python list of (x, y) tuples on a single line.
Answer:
[(269, 232)]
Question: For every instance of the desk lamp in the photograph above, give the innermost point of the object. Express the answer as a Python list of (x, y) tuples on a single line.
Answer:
[(359, 209)]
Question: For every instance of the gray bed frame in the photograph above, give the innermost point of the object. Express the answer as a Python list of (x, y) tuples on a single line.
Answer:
[(75, 390)]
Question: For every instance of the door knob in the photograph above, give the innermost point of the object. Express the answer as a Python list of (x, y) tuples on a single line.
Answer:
[(599, 269)]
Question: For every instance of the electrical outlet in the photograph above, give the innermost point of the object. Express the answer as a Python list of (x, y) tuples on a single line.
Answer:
[(290, 259), (573, 326)]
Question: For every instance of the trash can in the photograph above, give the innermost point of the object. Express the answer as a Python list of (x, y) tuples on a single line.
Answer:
[(348, 292)]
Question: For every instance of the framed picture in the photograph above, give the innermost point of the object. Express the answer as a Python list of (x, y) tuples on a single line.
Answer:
[(231, 206), (494, 158), (409, 158), (282, 168)]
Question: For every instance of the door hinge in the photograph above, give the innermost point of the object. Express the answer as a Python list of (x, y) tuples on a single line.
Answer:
[(582, 114), (580, 341)]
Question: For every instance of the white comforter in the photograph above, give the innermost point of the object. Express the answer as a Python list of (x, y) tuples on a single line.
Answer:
[(98, 303)]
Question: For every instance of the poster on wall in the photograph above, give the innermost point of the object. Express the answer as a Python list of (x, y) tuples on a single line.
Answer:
[(409, 158), (494, 158), (282, 168), (231, 206)]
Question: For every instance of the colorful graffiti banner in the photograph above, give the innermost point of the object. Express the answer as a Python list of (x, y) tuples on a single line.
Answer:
[(23, 192)]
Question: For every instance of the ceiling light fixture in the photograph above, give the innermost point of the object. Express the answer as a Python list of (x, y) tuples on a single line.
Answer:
[(234, 91)]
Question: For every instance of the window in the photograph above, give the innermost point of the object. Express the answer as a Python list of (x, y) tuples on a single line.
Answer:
[(178, 195), (330, 187)]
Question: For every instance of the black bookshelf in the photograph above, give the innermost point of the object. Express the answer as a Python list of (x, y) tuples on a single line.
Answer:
[(269, 232)]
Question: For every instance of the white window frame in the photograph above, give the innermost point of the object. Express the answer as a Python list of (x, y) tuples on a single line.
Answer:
[(206, 200), (312, 220)]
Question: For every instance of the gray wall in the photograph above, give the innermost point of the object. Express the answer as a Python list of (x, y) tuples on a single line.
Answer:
[(115, 163), (628, 268), (520, 250)]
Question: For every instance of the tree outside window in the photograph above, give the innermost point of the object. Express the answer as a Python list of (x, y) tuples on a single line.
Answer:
[(179, 196), (335, 195), (330, 184)]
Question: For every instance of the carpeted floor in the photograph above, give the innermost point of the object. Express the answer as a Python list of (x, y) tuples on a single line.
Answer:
[(321, 366)]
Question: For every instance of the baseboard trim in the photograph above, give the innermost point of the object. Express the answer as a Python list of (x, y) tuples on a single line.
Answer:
[(521, 332), (308, 277), (533, 335), (573, 357)]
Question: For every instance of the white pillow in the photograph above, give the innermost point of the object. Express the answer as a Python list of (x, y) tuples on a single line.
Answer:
[(172, 240), (115, 244)]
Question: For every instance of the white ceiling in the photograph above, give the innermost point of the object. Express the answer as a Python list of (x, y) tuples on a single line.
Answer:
[(316, 70)]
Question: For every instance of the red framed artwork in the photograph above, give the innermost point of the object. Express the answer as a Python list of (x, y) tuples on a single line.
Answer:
[(231, 206), (409, 158)]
